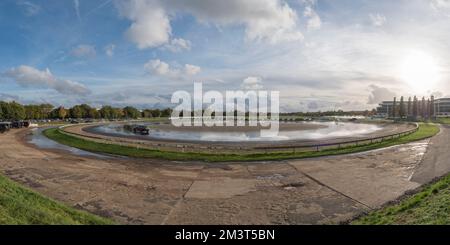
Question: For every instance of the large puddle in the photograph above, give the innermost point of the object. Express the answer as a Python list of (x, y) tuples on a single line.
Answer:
[(328, 130), (42, 142)]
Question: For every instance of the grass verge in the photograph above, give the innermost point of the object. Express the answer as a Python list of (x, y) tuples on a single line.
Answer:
[(21, 206), (425, 131), (431, 206)]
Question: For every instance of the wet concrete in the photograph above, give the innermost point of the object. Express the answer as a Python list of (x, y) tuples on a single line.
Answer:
[(325, 190)]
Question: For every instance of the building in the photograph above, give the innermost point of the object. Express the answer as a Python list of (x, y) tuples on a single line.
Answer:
[(441, 107), (385, 108)]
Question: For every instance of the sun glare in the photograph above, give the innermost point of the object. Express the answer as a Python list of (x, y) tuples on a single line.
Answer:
[(419, 71)]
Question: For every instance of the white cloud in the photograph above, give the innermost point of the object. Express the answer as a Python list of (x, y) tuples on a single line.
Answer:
[(191, 69), (377, 19), (161, 68), (158, 67), (28, 76), (109, 50), (30, 9), (271, 21), (178, 45), (440, 4), (313, 19), (379, 94), (252, 83), (76, 4), (84, 51), (150, 23)]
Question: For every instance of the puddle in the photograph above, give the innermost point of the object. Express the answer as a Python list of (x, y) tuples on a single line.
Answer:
[(42, 142), (329, 130)]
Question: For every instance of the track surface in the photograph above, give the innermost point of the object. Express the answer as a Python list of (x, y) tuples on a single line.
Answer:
[(310, 191)]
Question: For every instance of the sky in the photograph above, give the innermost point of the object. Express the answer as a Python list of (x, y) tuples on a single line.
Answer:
[(320, 54)]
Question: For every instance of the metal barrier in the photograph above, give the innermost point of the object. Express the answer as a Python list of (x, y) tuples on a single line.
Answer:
[(196, 148), (338, 145)]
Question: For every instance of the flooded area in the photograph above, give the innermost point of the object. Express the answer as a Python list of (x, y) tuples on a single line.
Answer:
[(301, 131), (40, 141)]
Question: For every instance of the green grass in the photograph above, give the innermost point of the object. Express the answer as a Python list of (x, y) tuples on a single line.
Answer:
[(430, 206), (425, 131), (443, 120), (21, 206)]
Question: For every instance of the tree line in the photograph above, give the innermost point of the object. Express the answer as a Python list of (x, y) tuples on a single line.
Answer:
[(15, 111), (414, 108)]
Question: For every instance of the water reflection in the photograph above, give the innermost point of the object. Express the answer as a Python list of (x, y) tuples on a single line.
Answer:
[(42, 142), (330, 130)]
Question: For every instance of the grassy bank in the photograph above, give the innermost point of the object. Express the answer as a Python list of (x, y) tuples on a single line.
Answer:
[(429, 206), (19, 205), (443, 120), (425, 131)]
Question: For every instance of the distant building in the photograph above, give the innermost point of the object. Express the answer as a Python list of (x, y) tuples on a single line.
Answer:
[(441, 107), (385, 108)]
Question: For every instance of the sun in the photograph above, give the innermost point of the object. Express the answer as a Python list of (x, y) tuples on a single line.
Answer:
[(420, 71)]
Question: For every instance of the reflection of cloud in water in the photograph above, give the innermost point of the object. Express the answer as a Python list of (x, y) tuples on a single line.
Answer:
[(332, 130)]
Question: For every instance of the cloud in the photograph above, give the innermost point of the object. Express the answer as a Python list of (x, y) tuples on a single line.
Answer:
[(84, 51), (150, 22), (271, 21), (109, 50), (30, 9), (158, 67), (8, 97), (28, 76), (379, 94), (252, 83), (440, 4), (313, 19), (76, 4), (161, 68), (313, 105), (191, 69), (178, 44), (377, 19)]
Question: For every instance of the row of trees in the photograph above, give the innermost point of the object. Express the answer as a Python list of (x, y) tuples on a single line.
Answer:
[(366, 113), (16, 111), (414, 108)]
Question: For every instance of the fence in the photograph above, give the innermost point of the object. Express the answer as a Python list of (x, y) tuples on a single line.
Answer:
[(339, 145), (237, 148)]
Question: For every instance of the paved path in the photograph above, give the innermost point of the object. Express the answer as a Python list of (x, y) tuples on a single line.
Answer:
[(310, 191), (436, 162)]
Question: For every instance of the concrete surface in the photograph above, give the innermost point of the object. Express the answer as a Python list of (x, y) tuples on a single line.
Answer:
[(145, 191)]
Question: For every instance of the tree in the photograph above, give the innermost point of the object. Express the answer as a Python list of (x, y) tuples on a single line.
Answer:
[(106, 112), (394, 108), (409, 112), (17, 111), (415, 108), (402, 108), (166, 112), (423, 108), (147, 113), (131, 112), (62, 113), (93, 113), (76, 112), (432, 112)]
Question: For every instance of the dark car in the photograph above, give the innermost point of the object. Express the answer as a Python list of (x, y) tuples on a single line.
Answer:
[(4, 127)]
